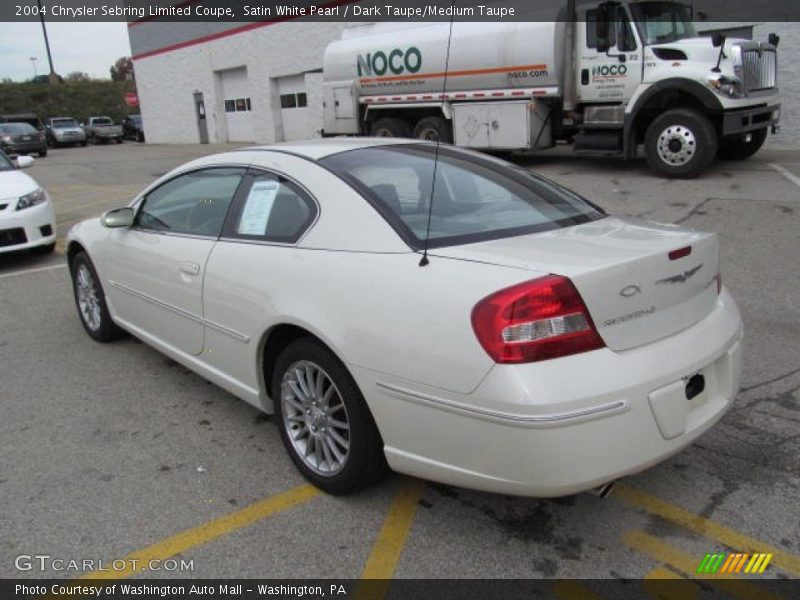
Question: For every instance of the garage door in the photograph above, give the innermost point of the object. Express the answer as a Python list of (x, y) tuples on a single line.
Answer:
[(297, 122), (238, 115)]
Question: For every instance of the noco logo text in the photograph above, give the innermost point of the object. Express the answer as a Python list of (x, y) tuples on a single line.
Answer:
[(395, 61), (610, 71)]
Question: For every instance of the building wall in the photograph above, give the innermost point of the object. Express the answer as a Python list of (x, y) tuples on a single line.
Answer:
[(166, 81)]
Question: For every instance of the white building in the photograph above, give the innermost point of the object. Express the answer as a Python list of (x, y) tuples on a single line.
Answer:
[(262, 82)]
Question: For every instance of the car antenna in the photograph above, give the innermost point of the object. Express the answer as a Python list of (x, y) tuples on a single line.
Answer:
[(424, 260)]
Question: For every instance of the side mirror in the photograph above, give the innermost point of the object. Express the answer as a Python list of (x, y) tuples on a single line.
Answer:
[(717, 39), (119, 217), (602, 28), (23, 162)]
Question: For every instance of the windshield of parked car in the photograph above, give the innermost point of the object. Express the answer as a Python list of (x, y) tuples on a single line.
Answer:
[(16, 128), (102, 121), (63, 123), (475, 197), (663, 22), (5, 163)]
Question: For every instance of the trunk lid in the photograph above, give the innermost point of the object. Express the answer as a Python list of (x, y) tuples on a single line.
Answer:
[(633, 290)]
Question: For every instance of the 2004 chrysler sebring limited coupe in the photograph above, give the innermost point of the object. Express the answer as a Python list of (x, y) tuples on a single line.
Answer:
[(545, 349)]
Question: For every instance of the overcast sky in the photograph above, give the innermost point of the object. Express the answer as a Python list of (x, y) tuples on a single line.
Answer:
[(88, 47)]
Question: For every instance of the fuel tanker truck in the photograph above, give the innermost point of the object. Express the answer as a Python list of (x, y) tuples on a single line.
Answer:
[(615, 76)]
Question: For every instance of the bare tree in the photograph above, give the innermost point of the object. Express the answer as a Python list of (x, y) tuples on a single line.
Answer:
[(122, 69)]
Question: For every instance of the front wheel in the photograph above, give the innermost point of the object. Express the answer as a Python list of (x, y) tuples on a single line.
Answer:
[(91, 301), (739, 149), (681, 143), (324, 421)]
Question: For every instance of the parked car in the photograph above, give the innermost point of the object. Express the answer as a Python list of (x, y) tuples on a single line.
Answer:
[(27, 217), (21, 138), (132, 128), (64, 130), (101, 130), (29, 118), (501, 333)]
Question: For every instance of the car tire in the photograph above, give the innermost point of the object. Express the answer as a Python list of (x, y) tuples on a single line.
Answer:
[(390, 127), (738, 149), (434, 129), (140, 137), (83, 143), (90, 301), (680, 144), (42, 153), (339, 460)]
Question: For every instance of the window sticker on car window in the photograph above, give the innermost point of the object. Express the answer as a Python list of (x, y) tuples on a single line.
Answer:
[(257, 208)]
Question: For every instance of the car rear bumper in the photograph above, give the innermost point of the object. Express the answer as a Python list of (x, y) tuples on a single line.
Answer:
[(28, 228), (559, 427)]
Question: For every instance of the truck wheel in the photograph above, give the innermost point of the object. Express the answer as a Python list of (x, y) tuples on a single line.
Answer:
[(390, 127), (680, 143), (434, 129), (737, 149)]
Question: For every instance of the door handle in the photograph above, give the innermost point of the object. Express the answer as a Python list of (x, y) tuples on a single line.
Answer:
[(189, 268)]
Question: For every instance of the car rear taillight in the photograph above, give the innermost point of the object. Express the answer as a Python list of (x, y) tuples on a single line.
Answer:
[(536, 320)]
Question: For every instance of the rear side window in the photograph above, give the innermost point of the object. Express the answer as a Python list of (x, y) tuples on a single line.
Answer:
[(270, 208), (474, 198)]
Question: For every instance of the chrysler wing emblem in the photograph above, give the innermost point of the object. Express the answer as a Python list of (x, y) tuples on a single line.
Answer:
[(630, 290), (680, 277)]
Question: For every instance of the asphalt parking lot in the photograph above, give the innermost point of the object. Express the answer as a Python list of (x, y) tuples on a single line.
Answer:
[(112, 451)]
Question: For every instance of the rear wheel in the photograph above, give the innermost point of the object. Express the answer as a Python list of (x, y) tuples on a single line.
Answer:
[(434, 129), (91, 301), (739, 149), (43, 153), (390, 127), (680, 143), (324, 422)]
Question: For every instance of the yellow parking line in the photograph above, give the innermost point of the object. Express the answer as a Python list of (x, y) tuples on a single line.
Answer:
[(732, 539), (663, 552), (391, 540), (202, 534), (658, 590)]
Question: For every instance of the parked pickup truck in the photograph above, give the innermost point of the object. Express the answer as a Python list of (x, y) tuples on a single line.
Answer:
[(102, 130)]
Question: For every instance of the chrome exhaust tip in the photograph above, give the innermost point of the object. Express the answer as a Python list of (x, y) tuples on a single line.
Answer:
[(604, 490)]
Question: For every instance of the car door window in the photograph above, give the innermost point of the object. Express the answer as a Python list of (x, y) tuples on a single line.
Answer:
[(272, 209), (194, 203)]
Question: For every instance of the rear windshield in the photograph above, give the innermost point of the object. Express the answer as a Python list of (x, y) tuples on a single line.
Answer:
[(63, 123), (102, 121), (16, 128), (475, 198)]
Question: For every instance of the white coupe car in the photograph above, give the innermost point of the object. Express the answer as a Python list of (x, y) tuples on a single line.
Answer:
[(27, 218), (545, 348)]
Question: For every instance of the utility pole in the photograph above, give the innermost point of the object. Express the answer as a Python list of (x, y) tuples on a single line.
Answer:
[(33, 62), (53, 76)]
